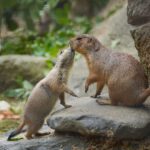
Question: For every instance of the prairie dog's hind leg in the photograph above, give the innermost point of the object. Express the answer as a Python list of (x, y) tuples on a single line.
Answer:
[(62, 100), (33, 128)]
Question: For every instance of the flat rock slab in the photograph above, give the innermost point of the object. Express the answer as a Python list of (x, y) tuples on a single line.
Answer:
[(64, 142), (70, 142), (88, 118)]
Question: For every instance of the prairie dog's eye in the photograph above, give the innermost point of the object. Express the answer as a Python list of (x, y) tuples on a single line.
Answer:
[(79, 38)]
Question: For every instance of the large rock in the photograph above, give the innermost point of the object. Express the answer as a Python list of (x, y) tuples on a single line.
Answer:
[(139, 14), (48, 143), (141, 36), (90, 119), (70, 142), (12, 67), (138, 11)]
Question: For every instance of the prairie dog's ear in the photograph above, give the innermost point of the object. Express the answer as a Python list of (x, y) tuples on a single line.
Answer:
[(96, 45)]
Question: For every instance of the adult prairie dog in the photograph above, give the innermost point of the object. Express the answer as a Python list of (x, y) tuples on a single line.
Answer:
[(123, 74), (45, 94)]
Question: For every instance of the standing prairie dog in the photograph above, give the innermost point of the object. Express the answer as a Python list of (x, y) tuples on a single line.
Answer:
[(123, 74), (45, 94)]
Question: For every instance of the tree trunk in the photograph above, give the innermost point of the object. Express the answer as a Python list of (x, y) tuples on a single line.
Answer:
[(139, 14), (141, 36)]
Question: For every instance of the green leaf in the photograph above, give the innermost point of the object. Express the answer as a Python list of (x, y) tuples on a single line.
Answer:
[(27, 85), (10, 93), (53, 3), (19, 92)]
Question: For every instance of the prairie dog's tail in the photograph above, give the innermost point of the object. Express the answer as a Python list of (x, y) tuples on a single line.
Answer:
[(17, 131), (145, 94)]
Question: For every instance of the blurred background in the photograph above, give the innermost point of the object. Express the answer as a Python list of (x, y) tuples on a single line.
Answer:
[(31, 34)]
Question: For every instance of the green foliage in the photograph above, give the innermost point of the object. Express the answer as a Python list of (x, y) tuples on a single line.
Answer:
[(20, 93), (16, 45), (61, 29), (59, 37), (7, 125), (53, 3), (51, 43), (7, 4)]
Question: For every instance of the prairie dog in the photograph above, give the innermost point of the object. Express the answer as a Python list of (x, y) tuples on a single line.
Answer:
[(122, 73), (45, 94)]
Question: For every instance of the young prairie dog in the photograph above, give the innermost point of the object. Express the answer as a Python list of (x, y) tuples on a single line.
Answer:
[(45, 94), (123, 74)]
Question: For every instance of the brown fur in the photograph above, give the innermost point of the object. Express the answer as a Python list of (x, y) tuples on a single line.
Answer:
[(123, 74), (45, 94)]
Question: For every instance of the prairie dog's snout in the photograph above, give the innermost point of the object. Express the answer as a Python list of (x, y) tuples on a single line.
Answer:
[(66, 54), (77, 41), (66, 57)]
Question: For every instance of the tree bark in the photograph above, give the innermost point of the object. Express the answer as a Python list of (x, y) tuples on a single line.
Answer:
[(141, 36)]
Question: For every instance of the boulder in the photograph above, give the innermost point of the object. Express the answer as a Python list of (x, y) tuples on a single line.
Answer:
[(12, 67), (141, 36), (88, 118), (74, 142), (138, 12), (64, 142)]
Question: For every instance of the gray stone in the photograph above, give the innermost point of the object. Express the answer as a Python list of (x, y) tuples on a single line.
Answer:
[(64, 142), (30, 68), (141, 36), (138, 12), (88, 118), (74, 142)]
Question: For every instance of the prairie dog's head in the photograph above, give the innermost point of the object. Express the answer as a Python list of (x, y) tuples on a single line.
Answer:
[(65, 58), (84, 44)]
